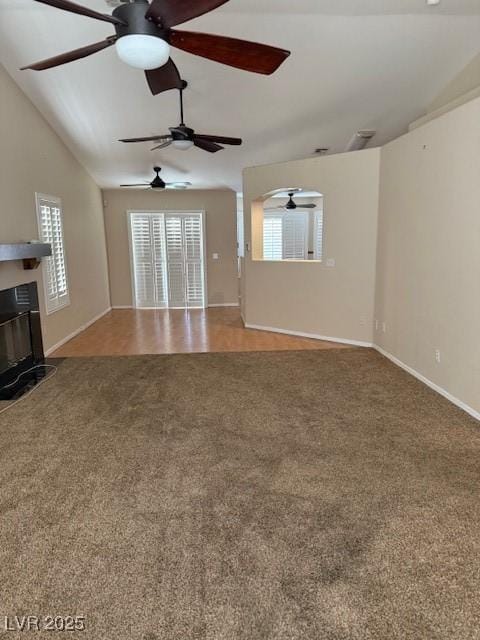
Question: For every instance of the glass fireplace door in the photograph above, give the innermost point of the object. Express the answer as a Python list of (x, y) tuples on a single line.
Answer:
[(15, 341)]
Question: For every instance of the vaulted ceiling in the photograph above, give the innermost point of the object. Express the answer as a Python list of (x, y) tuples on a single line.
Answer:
[(355, 64)]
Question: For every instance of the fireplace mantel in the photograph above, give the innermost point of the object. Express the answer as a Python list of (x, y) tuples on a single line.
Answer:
[(29, 252)]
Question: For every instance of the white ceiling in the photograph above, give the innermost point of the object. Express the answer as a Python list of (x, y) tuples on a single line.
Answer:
[(355, 64)]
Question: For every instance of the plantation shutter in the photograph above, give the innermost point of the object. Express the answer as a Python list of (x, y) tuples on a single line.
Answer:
[(272, 236), (295, 236), (176, 272), (318, 235), (148, 254), (193, 260), (49, 212), (167, 259), (159, 267), (142, 259), (285, 236)]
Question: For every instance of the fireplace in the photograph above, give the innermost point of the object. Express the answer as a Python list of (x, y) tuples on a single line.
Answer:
[(21, 346)]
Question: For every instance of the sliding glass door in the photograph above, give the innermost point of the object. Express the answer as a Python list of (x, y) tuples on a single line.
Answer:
[(167, 258)]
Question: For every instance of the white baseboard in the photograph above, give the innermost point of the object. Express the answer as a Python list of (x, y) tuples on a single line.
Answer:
[(225, 304), (315, 336), (77, 331), (443, 392)]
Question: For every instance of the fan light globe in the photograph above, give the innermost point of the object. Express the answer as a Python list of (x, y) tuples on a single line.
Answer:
[(183, 144), (143, 51)]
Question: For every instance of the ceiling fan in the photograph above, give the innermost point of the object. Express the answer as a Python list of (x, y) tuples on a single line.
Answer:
[(157, 184), (183, 137), (144, 34), (291, 205)]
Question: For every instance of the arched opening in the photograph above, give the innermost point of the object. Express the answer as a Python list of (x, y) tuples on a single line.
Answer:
[(288, 226)]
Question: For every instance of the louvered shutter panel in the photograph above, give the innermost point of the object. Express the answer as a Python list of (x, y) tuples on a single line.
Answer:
[(142, 259), (148, 254), (295, 236), (192, 228), (55, 272), (46, 233), (318, 235), (159, 260), (175, 258), (272, 236)]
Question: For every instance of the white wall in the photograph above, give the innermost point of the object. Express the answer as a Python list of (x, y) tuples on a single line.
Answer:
[(34, 159), (428, 269), (309, 297)]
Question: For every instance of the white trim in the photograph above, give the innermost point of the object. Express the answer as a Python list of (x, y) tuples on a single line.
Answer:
[(315, 336), (126, 306), (225, 304), (443, 392), (77, 331)]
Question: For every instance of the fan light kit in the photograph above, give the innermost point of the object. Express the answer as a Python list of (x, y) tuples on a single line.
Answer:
[(183, 145), (143, 51), (144, 35), (183, 137)]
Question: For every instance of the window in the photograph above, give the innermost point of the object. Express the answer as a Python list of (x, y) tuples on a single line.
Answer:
[(285, 236), (167, 259), (55, 279), (293, 235)]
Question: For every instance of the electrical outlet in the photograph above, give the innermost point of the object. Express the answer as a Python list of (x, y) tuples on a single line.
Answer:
[(384, 327), (215, 256), (438, 355), (330, 262)]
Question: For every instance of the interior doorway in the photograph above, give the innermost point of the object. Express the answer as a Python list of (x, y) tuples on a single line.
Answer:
[(167, 259)]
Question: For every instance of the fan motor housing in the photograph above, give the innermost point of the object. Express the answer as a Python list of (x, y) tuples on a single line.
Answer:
[(133, 14), (182, 133)]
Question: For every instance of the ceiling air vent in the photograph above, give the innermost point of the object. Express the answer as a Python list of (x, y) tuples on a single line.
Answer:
[(360, 139)]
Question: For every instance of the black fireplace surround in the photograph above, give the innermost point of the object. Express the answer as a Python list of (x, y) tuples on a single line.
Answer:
[(21, 346)]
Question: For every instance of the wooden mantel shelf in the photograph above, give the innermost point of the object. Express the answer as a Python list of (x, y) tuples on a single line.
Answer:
[(29, 252)]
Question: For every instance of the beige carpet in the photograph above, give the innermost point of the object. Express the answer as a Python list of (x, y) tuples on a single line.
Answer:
[(284, 496)]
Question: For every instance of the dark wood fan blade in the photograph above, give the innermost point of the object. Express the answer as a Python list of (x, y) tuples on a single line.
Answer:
[(70, 56), (149, 139), (249, 56), (211, 147), (168, 13), (219, 139), (66, 5), (306, 206), (164, 78)]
